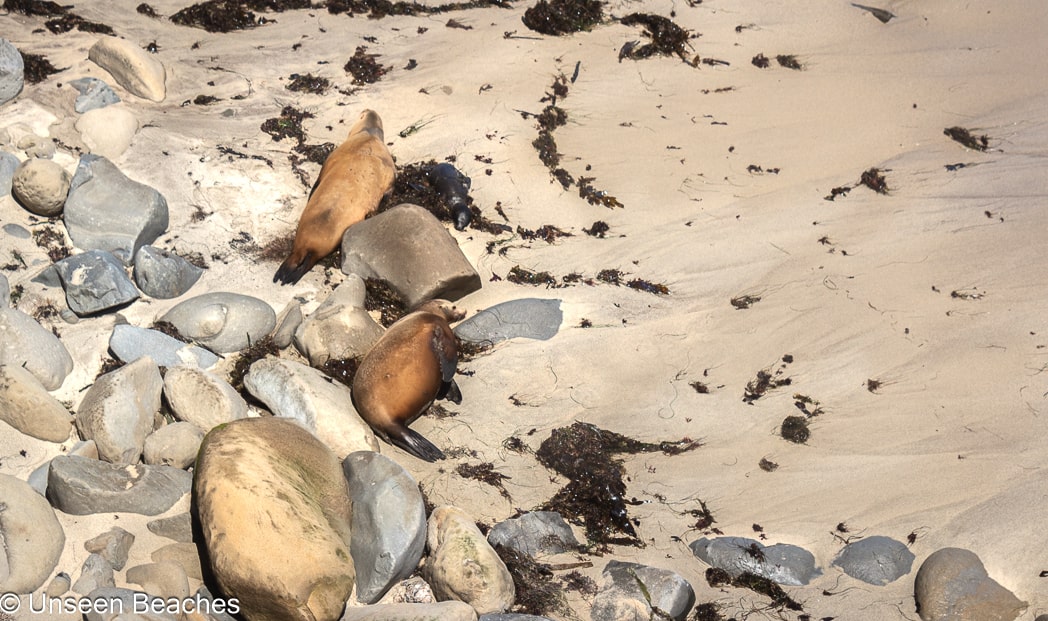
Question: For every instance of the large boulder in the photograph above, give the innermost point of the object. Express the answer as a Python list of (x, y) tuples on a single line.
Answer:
[(29, 408), (95, 281), (25, 343), (224, 322), (31, 539), (462, 566), (952, 585), (12, 71), (202, 398), (117, 411), (633, 592), (339, 328)]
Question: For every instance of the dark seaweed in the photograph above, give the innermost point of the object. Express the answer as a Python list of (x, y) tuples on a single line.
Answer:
[(287, 125), (382, 297), (537, 592), (53, 242), (522, 276), (597, 229), (874, 179), (789, 61), (256, 351), (148, 11), (230, 15), (547, 233), (485, 473), (341, 370), (558, 17), (412, 184), (767, 380), (377, 9), (308, 83), (364, 68), (667, 38), (69, 21), (594, 196), (761, 61), (37, 68), (965, 137), (744, 301), (795, 429)]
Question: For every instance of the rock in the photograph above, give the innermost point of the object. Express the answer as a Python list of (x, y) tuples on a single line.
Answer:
[(96, 573), (8, 165), (389, 522), (339, 328), (12, 71), (162, 274), (293, 390), (173, 445), (534, 533), (443, 611), (219, 608), (81, 486), (781, 563), (121, 604), (633, 592), (94, 94), (35, 146), (59, 585), (288, 321), (5, 292), (105, 210), (186, 555), (165, 579), (202, 398), (14, 230), (952, 585), (271, 471), (513, 617), (462, 566), (95, 281), (112, 545), (224, 322), (129, 343), (38, 477), (531, 318), (414, 590), (117, 411), (131, 66), (25, 343), (40, 186), (31, 538), (408, 247), (107, 131), (875, 560), (27, 406), (178, 527)]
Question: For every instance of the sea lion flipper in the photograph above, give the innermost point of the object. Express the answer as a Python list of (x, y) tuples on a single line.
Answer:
[(446, 351), (295, 267), (451, 392), (414, 443)]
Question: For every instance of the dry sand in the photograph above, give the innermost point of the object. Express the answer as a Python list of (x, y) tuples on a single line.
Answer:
[(951, 446)]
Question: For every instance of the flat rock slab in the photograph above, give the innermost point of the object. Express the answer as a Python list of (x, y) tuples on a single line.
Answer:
[(952, 585), (875, 560), (224, 322), (82, 486), (635, 592), (25, 343), (781, 563), (129, 343), (531, 318), (31, 538), (408, 247), (94, 282)]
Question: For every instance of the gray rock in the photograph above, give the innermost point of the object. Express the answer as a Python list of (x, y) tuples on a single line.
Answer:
[(8, 165), (462, 566), (166, 579), (534, 533), (173, 445), (408, 247), (94, 93), (389, 522), (218, 607), (31, 538), (224, 322), (202, 398), (121, 604), (339, 328), (177, 527), (632, 592), (96, 573), (105, 210), (14, 230), (59, 585), (532, 318), (95, 281), (162, 274), (112, 545), (952, 585), (129, 343), (442, 611), (25, 343), (81, 486), (40, 186), (5, 292), (781, 563), (513, 617), (875, 560), (29, 408), (288, 321), (117, 411), (38, 478), (12, 71), (132, 67)]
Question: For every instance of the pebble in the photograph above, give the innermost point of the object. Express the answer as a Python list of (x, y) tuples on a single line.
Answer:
[(633, 592), (202, 398), (59, 585), (442, 611), (271, 471), (389, 522), (94, 94), (5, 292), (339, 328), (27, 406), (107, 131), (462, 566), (25, 343), (31, 538), (534, 533), (117, 411), (224, 322), (14, 230), (173, 445), (293, 390), (129, 343), (162, 274), (40, 186), (105, 210), (131, 66), (95, 281), (96, 573), (952, 585), (875, 560), (12, 71), (781, 563), (8, 165), (177, 527), (112, 545), (408, 247), (532, 318), (82, 486), (288, 321), (165, 579)]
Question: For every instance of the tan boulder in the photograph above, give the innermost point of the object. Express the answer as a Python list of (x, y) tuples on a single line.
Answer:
[(462, 565)]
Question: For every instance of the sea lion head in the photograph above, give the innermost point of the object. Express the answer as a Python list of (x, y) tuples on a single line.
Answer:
[(447, 309), (369, 122)]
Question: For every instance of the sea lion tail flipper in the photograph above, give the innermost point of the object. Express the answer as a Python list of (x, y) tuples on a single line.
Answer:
[(295, 267), (414, 443)]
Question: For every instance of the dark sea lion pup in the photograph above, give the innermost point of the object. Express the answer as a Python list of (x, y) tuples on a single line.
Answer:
[(410, 366), (351, 183)]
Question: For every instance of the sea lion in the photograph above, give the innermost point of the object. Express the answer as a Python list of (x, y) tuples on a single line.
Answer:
[(410, 366), (351, 183)]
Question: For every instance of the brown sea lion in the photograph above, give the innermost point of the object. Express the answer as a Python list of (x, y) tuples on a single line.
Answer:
[(351, 183), (410, 366)]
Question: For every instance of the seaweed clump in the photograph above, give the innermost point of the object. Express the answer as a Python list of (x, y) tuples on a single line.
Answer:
[(767, 380), (308, 83), (230, 15), (536, 591), (412, 185), (53, 242), (287, 125), (37, 68), (364, 68), (485, 473), (965, 137), (558, 17), (377, 9), (64, 20), (382, 297), (667, 38), (874, 179), (522, 276), (256, 351), (779, 599), (595, 495), (342, 370)]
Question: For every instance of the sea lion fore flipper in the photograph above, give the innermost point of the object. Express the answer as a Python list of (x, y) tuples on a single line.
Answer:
[(414, 443), (446, 352), (295, 267), (451, 392)]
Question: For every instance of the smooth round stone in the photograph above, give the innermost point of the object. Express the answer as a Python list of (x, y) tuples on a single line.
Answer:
[(32, 537), (224, 322), (202, 398), (132, 67), (107, 131), (875, 560), (25, 343), (41, 187), (953, 585), (94, 93), (29, 408), (462, 566), (781, 563), (173, 445), (532, 318), (16, 230), (12, 71), (534, 533)]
